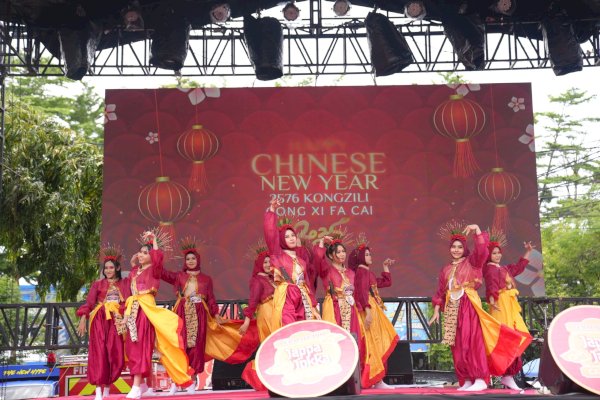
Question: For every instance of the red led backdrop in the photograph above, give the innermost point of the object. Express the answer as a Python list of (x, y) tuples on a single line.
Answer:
[(393, 162)]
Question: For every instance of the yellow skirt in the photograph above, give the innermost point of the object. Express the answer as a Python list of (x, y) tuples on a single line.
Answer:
[(510, 310), (224, 342), (381, 339), (264, 319)]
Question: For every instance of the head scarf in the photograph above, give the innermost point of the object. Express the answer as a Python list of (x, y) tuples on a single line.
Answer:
[(463, 240), (194, 252), (357, 257), (258, 263), (282, 232)]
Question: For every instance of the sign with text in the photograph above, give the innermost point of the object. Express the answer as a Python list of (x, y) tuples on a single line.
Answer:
[(306, 359), (574, 341), (393, 162)]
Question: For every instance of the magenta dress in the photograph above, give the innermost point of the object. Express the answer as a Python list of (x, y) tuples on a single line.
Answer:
[(470, 360), (139, 353), (298, 296), (106, 354), (204, 291)]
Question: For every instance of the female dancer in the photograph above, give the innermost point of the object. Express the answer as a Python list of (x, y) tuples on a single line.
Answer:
[(292, 299), (103, 306), (479, 345), (501, 291), (260, 302), (380, 335), (148, 324), (206, 334)]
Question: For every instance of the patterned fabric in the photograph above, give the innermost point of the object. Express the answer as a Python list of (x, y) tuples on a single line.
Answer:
[(345, 312), (135, 306), (308, 311), (450, 321), (191, 323)]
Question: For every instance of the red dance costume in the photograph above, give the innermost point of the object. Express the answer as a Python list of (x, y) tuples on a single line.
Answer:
[(293, 299), (381, 337), (104, 304), (500, 282), (260, 301), (468, 352), (194, 303)]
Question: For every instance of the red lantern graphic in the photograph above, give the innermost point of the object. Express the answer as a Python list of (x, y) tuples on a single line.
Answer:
[(198, 145), (499, 188), (164, 202), (460, 119)]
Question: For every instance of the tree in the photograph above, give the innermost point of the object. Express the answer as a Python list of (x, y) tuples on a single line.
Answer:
[(50, 210), (80, 112), (569, 172)]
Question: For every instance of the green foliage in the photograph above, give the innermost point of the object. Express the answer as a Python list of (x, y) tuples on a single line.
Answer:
[(50, 210), (9, 290), (53, 97), (572, 260), (440, 357)]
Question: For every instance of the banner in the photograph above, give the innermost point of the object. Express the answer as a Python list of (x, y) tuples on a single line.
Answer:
[(393, 162)]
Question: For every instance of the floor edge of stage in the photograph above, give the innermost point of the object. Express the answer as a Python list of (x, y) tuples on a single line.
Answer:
[(403, 392)]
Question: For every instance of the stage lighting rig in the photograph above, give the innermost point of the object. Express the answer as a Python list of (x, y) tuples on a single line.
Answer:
[(505, 7), (264, 38), (170, 40), (290, 11), (341, 7), (390, 52), (561, 43), (132, 17), (220, 13), (415, 10)]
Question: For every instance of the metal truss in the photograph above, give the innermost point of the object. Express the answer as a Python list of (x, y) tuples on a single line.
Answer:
[(316, 46), (52, 326)]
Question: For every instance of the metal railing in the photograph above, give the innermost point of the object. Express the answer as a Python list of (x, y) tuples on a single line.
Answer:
[(53, 326)]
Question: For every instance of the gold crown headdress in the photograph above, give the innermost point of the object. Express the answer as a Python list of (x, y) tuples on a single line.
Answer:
[(257, 249), (163, 238), (110, 252), (453, 230), (497, 238)]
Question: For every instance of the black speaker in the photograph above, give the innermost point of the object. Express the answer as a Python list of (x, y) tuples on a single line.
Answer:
[(552, 377), (400, 368), (228, 376)]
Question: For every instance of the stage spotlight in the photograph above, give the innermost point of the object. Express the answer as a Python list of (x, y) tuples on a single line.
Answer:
[(506, 7), (264, 38), (389, 50), (562, 46), (415, 10), (170, 41), (341, 7), (220, 13), (467, 36), (77, 49), (290, 11), (132, 17)]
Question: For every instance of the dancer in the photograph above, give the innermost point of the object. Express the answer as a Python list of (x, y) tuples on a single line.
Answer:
[(103, 306), (206, 335), (292, 299), (260, 303), (479, 344), (339, 305), (380, 336), (262, 288), (148, 325), (501, 291)]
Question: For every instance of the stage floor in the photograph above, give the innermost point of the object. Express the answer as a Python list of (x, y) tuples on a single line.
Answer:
[(398, 392)]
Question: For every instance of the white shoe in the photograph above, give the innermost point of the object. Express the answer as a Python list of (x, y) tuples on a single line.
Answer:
[(134, 393), (382, 385), (143, 388), (509, 382), (466, 385), (172, 389), (106, 392), (192, 388), (98, 393), (477, 386)]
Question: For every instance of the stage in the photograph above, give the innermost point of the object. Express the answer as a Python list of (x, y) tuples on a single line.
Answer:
[(399, 392)]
